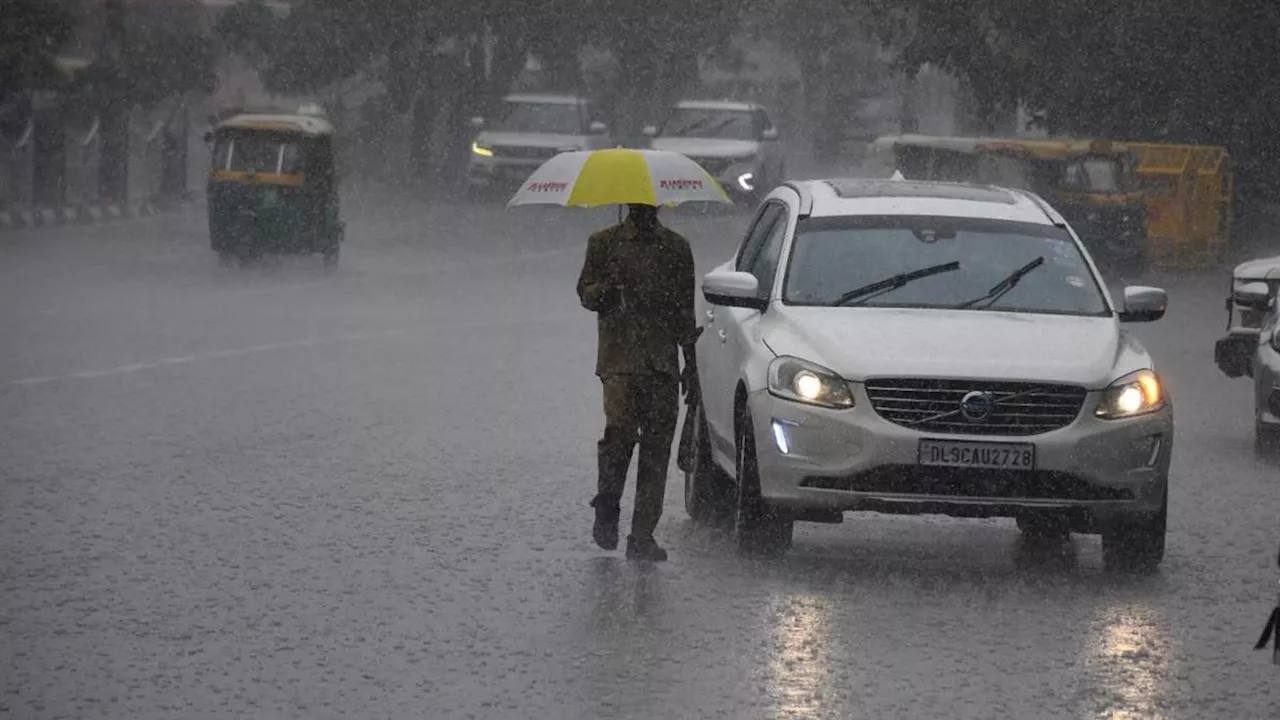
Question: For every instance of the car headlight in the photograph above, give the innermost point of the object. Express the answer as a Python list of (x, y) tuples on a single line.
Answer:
[(481, 150), (1136, 394), (747, 181), (805, 382)]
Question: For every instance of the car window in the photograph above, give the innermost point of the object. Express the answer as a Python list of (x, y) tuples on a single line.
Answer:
[(759, 231), (263, 153), (765, 265), (530, 117), (832, 256), (704, 123)]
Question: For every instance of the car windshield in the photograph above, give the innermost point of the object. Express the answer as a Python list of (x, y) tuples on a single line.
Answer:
[(832, 256), (701, 123), (260, 152), (1095, 174), (535, 117)]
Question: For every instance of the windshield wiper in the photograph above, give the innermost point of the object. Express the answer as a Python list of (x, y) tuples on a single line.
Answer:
[(866, 292), (999, 290)]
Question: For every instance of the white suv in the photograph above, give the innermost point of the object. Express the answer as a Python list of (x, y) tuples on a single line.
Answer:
[(735, 142), (917, 347)]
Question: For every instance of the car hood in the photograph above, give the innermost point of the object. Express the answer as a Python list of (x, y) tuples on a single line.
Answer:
[(1260, 269), (859, 343), (532, 140), (707, 147)]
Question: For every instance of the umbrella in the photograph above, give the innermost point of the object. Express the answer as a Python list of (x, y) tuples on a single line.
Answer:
[(620, 176)]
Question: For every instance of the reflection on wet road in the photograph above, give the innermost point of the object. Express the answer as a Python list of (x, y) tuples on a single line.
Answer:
[(283, 492)]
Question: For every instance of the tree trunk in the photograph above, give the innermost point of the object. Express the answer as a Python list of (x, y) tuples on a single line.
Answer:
[(173, 158), (113, 165), (49, 158)]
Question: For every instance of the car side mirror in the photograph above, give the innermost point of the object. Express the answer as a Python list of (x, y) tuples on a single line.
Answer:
[(650, 131), (769, 134), (597, 128), (1254, 295), (477, 122), (1144, 304), (733, 289)]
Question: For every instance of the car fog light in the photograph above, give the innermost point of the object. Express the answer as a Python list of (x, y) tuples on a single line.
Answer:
[(1156, 442), (780, 437), (747, 181)]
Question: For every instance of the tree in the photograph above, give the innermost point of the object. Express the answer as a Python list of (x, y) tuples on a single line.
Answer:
[(32, 33)]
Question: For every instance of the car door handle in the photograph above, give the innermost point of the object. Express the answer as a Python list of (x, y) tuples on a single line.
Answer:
[(723, 338)]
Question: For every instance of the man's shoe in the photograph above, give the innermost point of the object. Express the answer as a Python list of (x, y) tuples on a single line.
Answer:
[(605, 530), (645, 549)]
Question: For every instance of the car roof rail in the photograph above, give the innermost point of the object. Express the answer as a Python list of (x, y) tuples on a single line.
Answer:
[(806, 198)]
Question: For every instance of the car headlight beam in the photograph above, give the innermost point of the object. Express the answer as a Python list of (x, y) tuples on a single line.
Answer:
[(809, 383), (1131, 396)]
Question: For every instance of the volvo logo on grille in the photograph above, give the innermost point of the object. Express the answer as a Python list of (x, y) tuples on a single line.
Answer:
[(976, 406)]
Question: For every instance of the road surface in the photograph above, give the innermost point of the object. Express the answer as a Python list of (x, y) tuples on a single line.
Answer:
[(284, 492)]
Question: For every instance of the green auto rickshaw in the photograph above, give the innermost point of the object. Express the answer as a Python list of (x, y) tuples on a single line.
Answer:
[(273, 187)]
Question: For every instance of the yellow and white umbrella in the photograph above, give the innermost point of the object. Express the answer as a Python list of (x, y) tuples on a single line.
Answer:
[(621, 176)]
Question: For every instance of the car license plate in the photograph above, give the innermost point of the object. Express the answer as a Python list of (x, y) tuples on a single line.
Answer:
[(996, 456)]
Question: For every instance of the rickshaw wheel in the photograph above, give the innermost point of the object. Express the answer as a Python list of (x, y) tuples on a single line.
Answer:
[(331, 256)]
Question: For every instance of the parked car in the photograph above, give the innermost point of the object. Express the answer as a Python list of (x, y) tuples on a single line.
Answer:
[(735, 142), (1251, 346), (529, 130), (926, 347)]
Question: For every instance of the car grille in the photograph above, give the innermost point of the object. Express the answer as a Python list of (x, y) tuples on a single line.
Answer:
[(714, 166), (1017, 408), (524, 153)]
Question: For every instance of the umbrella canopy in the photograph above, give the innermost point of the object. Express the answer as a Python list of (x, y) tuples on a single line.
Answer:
[(620, 176)]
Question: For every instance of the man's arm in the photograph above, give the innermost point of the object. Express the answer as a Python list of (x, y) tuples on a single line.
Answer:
[(594, 291)]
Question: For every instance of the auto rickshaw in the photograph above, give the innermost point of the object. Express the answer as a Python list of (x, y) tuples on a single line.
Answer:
[(1092, 183), (273, 187)]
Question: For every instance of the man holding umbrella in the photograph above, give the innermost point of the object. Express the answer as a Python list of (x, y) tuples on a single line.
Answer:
[(638, 278)]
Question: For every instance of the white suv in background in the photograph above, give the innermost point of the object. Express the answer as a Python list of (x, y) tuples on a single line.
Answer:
[(528, 131), (735, 142), (914, 347)]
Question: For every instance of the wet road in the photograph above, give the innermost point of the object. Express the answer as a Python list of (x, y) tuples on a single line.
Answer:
[(283, 492)]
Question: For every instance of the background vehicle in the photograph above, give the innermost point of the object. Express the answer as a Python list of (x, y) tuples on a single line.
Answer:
[(913, 347), (273, 187), (529, 130), (1252, 344), (735, 142), (1188, 190), (1092, 183)]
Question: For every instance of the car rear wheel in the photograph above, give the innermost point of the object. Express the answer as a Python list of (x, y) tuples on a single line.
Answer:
[(757, 528), (1136, 544), (708, 491)]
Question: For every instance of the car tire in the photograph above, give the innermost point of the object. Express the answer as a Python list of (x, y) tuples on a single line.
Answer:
[(1136, 544), (757, 528), (708, 490)]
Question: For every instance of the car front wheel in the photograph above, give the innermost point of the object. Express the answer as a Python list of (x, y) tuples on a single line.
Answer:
[(708, 491), (1136, 544), (757, 528)]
